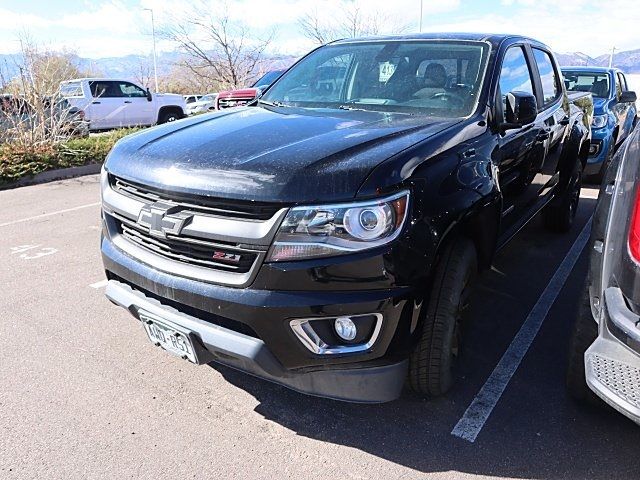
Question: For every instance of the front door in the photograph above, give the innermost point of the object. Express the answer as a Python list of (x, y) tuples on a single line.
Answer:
[(520, 151)]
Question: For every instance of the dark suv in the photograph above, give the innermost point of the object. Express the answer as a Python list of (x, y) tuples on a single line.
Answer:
[(327, 236)]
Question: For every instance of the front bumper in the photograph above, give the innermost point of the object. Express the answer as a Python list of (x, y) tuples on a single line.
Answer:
[(255, 324), (600, 142), (370, 384), (612, 363)]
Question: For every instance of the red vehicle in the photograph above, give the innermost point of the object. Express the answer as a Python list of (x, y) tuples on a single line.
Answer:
[(240, 97)]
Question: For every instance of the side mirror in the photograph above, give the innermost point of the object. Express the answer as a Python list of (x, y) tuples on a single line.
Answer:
[(149, 97), (628, 97), (521, 110)]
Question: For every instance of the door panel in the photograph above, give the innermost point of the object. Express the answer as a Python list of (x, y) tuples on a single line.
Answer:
[(138, 110), (520, 152), (107, 105)]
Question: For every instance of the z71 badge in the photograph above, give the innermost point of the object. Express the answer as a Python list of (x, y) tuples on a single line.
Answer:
[(230, 257)]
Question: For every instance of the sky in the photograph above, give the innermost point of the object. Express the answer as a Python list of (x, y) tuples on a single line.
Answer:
[(112, 28)]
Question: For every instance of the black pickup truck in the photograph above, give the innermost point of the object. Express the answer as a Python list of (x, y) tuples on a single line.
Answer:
[(327, 236)]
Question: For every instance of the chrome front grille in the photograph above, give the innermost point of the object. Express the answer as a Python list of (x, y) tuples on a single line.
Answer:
[(190, 250), (205, 239)]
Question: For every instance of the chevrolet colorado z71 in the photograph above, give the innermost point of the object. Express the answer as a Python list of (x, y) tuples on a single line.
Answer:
[(327, 236)]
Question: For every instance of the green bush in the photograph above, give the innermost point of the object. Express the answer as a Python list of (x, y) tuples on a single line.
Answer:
[(17, 162)]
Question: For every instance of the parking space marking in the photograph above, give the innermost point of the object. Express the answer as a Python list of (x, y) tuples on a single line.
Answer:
[(100, 284), (474, 418), (22, 220)]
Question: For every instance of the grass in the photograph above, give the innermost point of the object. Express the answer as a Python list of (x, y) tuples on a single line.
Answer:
[(17, 162)]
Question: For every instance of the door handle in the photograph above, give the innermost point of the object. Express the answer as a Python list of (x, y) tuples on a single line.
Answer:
[(127, 101), (543, 135), (96, 103)]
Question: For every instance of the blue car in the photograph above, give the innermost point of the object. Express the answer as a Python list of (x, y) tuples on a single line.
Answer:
[(614, 112)]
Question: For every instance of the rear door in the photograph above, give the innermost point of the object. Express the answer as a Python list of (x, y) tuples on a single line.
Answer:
[(107, 109), (553, 116), (520, 151)]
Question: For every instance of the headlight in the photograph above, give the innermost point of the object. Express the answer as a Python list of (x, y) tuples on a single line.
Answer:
[(328, 230), (599, 121)]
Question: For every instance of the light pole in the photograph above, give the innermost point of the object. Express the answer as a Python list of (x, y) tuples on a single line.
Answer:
[(613, 51), (153, 33), (421, 5)]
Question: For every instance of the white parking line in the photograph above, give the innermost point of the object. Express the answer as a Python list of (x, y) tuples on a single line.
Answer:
[(469, 426), (100, 284), (22, 220)]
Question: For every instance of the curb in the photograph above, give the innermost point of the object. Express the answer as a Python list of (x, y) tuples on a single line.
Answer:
[(52, 175)]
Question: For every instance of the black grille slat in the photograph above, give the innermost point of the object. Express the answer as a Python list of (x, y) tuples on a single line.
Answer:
[(197, 203)]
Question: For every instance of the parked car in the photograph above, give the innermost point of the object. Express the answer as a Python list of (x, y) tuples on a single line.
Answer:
[(604, 358), (110, 103), (206, 104), (243, 96), (54, 114), (327, 237), (614, 116), (192, 98)]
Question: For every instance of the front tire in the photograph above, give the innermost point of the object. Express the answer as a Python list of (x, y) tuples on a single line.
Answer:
[(433, 363), (169, 116), (559, 214)]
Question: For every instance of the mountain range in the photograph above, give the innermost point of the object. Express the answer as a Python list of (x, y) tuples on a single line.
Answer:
[(135, 66)]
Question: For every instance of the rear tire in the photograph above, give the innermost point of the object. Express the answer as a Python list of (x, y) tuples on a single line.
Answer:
[(559, 214), (432, 364), (585, 332)]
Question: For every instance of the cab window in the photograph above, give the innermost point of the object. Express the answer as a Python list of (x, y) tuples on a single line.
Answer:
[(548, 76), (515, 75)]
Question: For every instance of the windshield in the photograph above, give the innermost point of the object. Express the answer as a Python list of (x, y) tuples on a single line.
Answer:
[(596, 83), (267, 79), (431, 77)]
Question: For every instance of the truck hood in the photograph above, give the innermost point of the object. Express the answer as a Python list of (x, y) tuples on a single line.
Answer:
[(268, 154)]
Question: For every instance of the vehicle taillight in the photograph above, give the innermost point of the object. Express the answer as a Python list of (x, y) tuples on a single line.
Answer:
[(634, 229)]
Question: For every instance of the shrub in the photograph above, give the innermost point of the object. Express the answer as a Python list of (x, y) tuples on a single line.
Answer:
[(18, 161)]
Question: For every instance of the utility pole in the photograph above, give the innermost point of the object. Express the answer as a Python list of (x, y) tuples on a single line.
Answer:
[(421, 8), (613, 51), (153, 33)]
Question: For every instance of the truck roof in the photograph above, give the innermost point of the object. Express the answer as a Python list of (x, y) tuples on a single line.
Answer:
[(97, 79), (492, 38), (583, 68)]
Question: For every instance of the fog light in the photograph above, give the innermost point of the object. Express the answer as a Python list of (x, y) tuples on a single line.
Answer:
[(345, 328)]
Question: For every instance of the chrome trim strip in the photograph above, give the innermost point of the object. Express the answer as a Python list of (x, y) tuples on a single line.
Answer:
[(305, 333), (205, 274), (225, 229), (620, 315)]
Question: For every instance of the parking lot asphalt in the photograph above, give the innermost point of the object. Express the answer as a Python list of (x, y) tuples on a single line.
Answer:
[(84, 394)]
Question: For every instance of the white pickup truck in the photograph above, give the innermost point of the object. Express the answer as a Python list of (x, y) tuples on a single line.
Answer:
[(112, 103)]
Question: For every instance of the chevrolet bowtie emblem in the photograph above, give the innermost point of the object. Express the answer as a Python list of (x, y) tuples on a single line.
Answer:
[(162, 219)]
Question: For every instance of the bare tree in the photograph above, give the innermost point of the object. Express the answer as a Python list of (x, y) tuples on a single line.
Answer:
[(218, 50), (143, 74), (355, 23)]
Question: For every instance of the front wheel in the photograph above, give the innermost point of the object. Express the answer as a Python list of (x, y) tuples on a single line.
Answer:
[(433, 362), (561, 211), (169, 116)]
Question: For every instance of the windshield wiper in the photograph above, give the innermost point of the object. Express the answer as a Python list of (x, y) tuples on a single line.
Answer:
[(349, 107), (274, 103)]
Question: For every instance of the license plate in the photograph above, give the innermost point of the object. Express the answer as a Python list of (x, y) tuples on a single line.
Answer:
[(169, 337)]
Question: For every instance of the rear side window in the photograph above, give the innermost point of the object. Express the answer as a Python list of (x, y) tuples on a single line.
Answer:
[(515, 74), (71, 89), (105, 90), (548, 76)]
